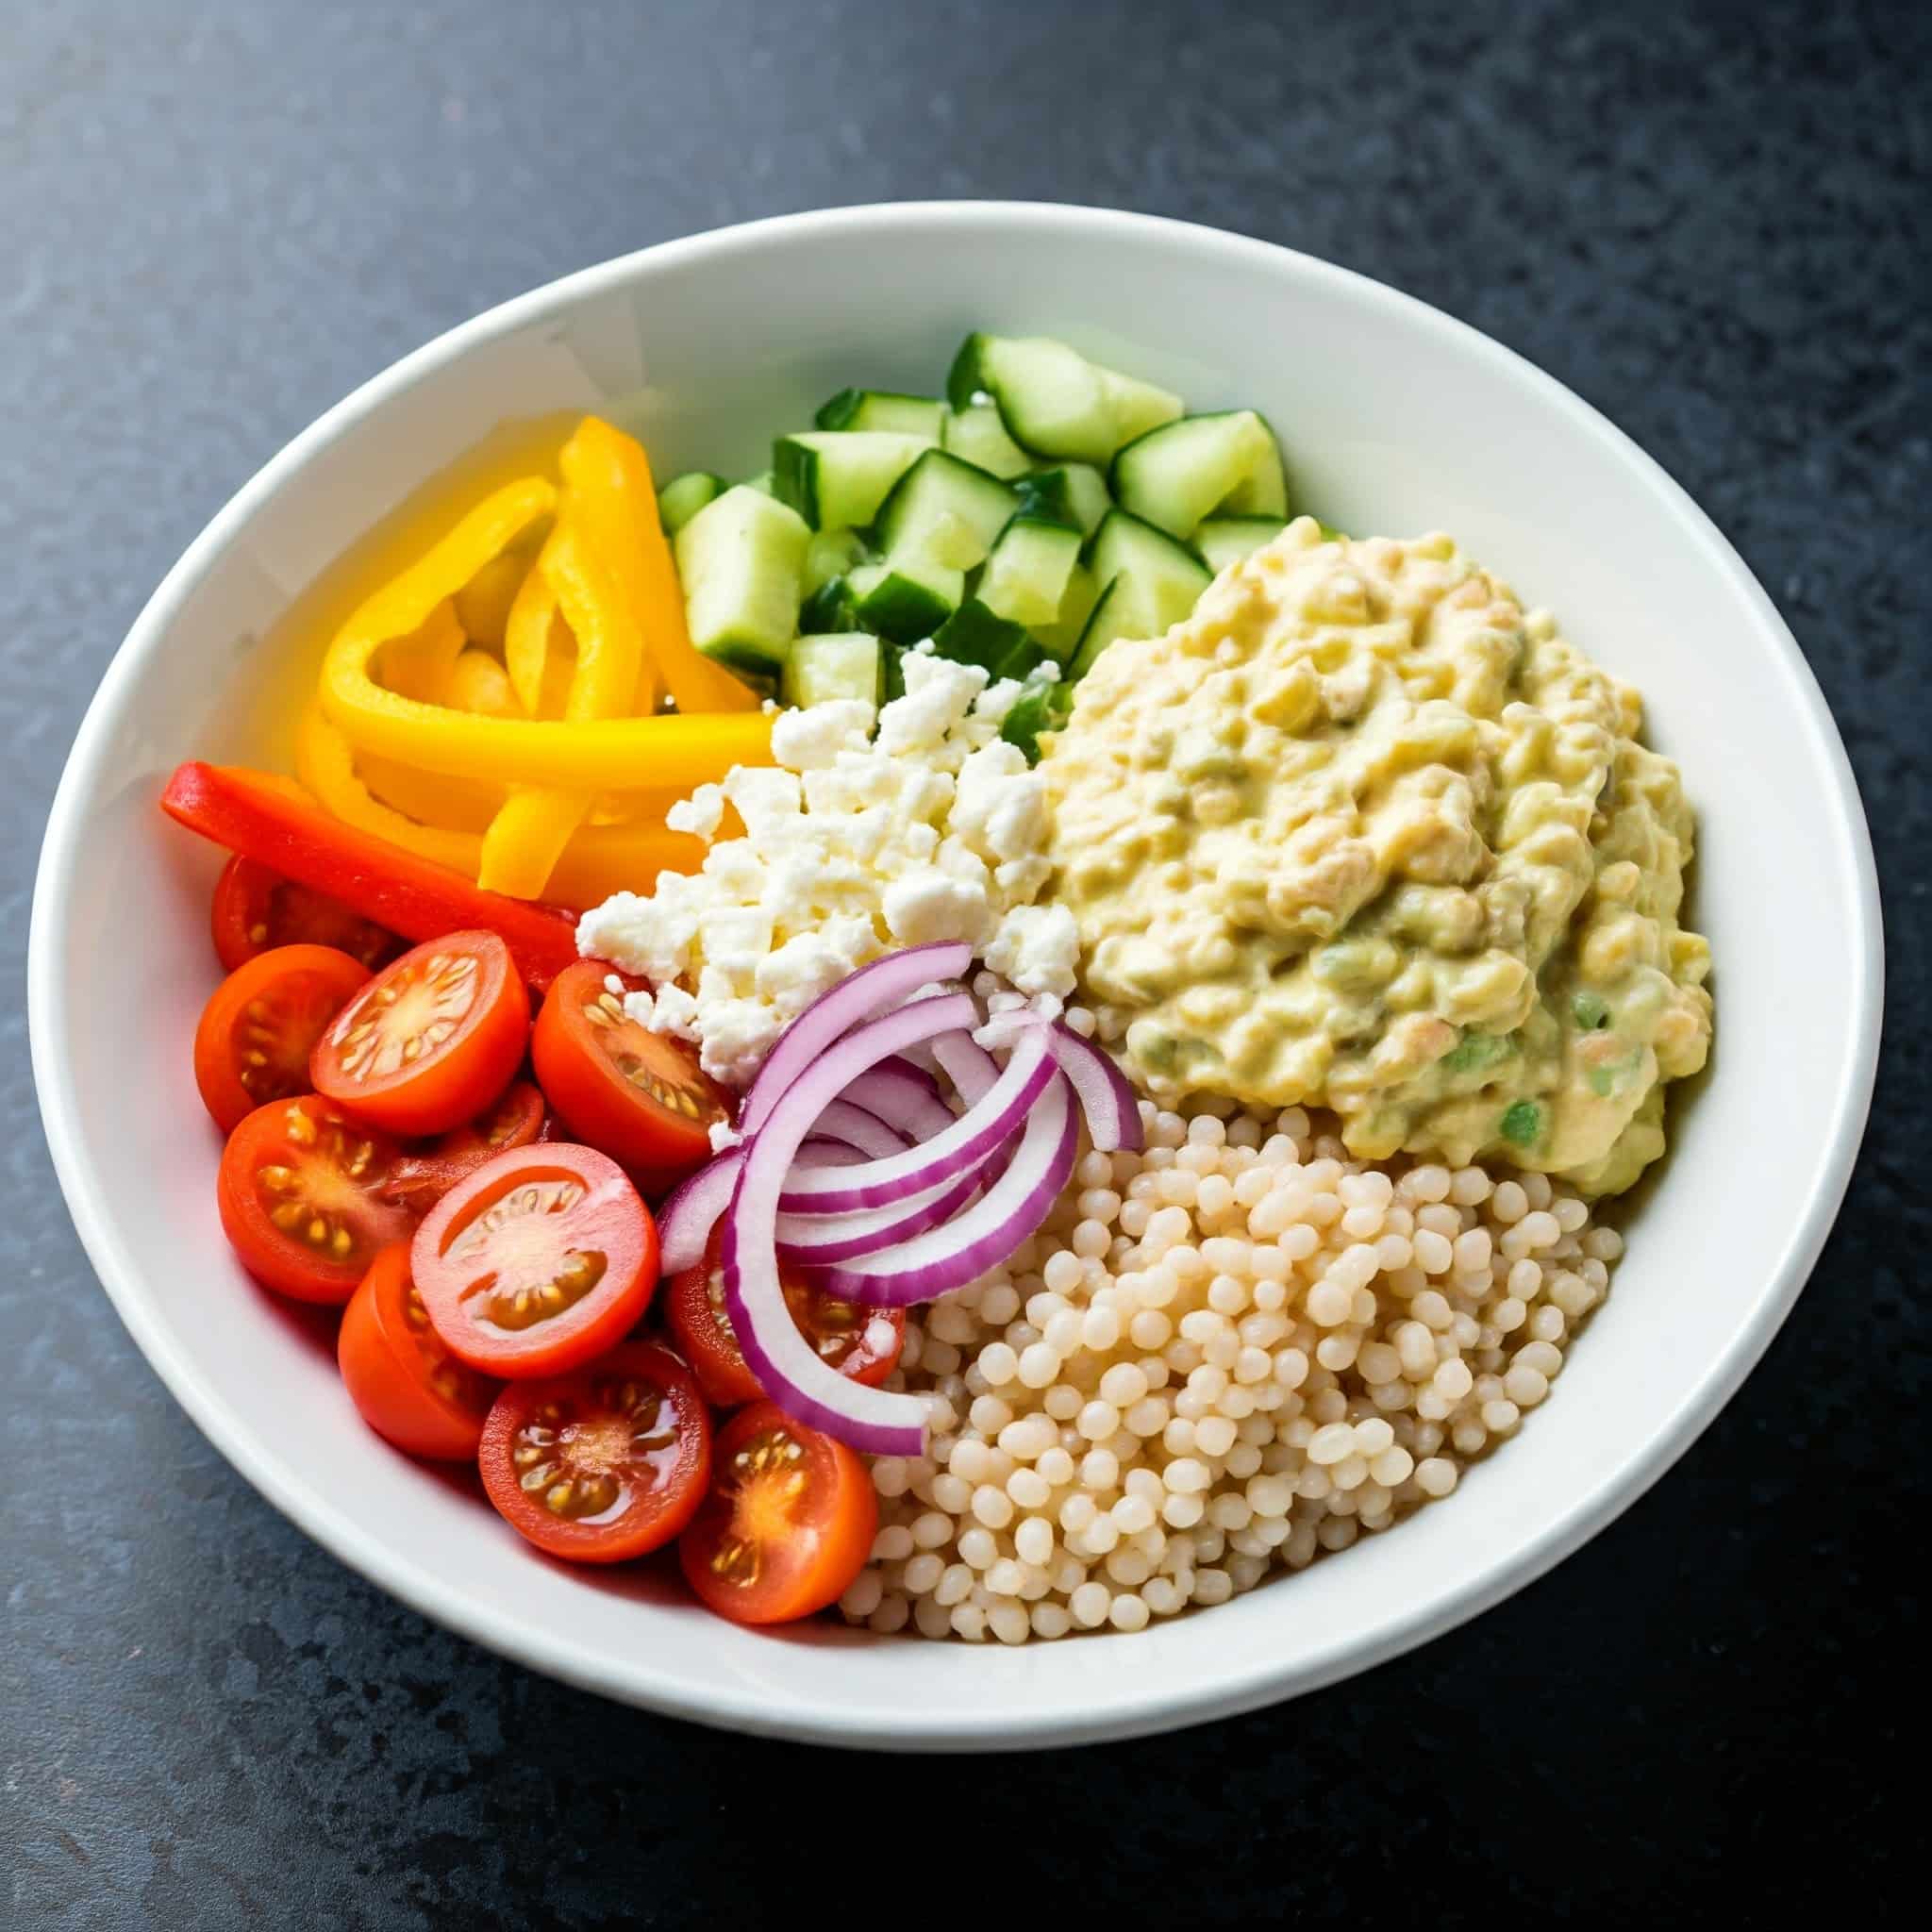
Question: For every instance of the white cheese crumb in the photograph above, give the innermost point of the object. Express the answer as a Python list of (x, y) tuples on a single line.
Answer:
[(868, 833)]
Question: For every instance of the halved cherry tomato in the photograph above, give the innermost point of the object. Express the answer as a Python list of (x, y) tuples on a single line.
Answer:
[(641, 1097), (602, 1465), (537, 1263), (256, 908), (786, 1525), (300, 1192), (258, 1029), (863, 1344), (431, 1040), (409, 1389), (426, 1173)]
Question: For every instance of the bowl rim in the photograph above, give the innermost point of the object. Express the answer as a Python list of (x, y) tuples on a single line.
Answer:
[(1156, 1706)]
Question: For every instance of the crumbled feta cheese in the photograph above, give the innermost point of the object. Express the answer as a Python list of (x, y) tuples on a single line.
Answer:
[(863, 836), (700, 814), (1036, 947), (811, 739)]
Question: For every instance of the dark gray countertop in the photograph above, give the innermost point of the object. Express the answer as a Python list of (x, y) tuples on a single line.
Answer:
[(1709, 221)]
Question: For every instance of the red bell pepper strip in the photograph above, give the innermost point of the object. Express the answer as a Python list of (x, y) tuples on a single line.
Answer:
[(270, 819)]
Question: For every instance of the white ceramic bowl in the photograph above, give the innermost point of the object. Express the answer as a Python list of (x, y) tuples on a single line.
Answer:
[(1396, 420)]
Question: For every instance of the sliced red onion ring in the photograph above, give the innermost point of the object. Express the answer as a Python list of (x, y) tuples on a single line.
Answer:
[(966, 1064), (692, 1210), (840, 1236), (860, 1128), (905, 1098), (836, 1012), (694, 1206), (777, 1352), (1111, 1106), (964, 1145), (942, 1259)]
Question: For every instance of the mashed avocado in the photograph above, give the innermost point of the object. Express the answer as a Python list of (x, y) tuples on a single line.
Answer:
[(1361, 833)]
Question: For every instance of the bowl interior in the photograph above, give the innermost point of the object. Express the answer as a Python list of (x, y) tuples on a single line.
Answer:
[(1395, 420)]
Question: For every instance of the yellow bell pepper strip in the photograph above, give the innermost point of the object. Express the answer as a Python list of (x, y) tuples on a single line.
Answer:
[(477, 682), (432, 798), (405, 605), (527, 837), (607, 755), (596, 864), (610, 481), (419, 665), (538, 654), (483, 604)]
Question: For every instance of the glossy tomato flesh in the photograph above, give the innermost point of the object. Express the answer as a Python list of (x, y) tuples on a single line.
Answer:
[(254, 909), (301, 1198), (537, 1263), (861, 1342), (639, 1096), (786, 1525), (603, 1464), (429, 1169), (260, 1027), (431, 1041), (408, 1388)]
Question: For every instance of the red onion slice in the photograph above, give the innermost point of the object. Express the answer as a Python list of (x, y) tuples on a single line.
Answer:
[(840, 1236), (946, 1257), (963, 1145), (834, 1013), (966, 1064), (777, 1352), (1111, 1106), (906, 1099), (858, 1127), (695, 1205), (692, 1210)]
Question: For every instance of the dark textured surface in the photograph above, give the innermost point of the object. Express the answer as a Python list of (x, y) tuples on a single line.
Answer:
[(215, 220)]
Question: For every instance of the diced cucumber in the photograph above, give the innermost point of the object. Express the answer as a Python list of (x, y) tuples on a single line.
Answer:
[(878, 409), (976, 435), (945, 512), (906, 599), (764, 483), (1263, 493), (740, 560), (683, 497), (1028, 570), (1137, 406), (843, 664), (831, 554), (977, 635), (1223, 541), (1053, 401), (837, 478), (1120, 612), (1062, 636), (1177, 474), (892, 672), (1166, 577), (1074, 493), (1041, 707), (829, 608)]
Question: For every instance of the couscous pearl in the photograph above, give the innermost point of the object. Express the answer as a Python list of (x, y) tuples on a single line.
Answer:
[(991, 1507), (1159, 1383)]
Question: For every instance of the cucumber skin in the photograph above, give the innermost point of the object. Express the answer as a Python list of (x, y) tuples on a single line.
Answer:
[(784, 533), (683, 497), (829, 608), (963, 384)]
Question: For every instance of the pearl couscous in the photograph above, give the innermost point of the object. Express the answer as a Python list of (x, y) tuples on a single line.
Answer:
[(1234, 1350)]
